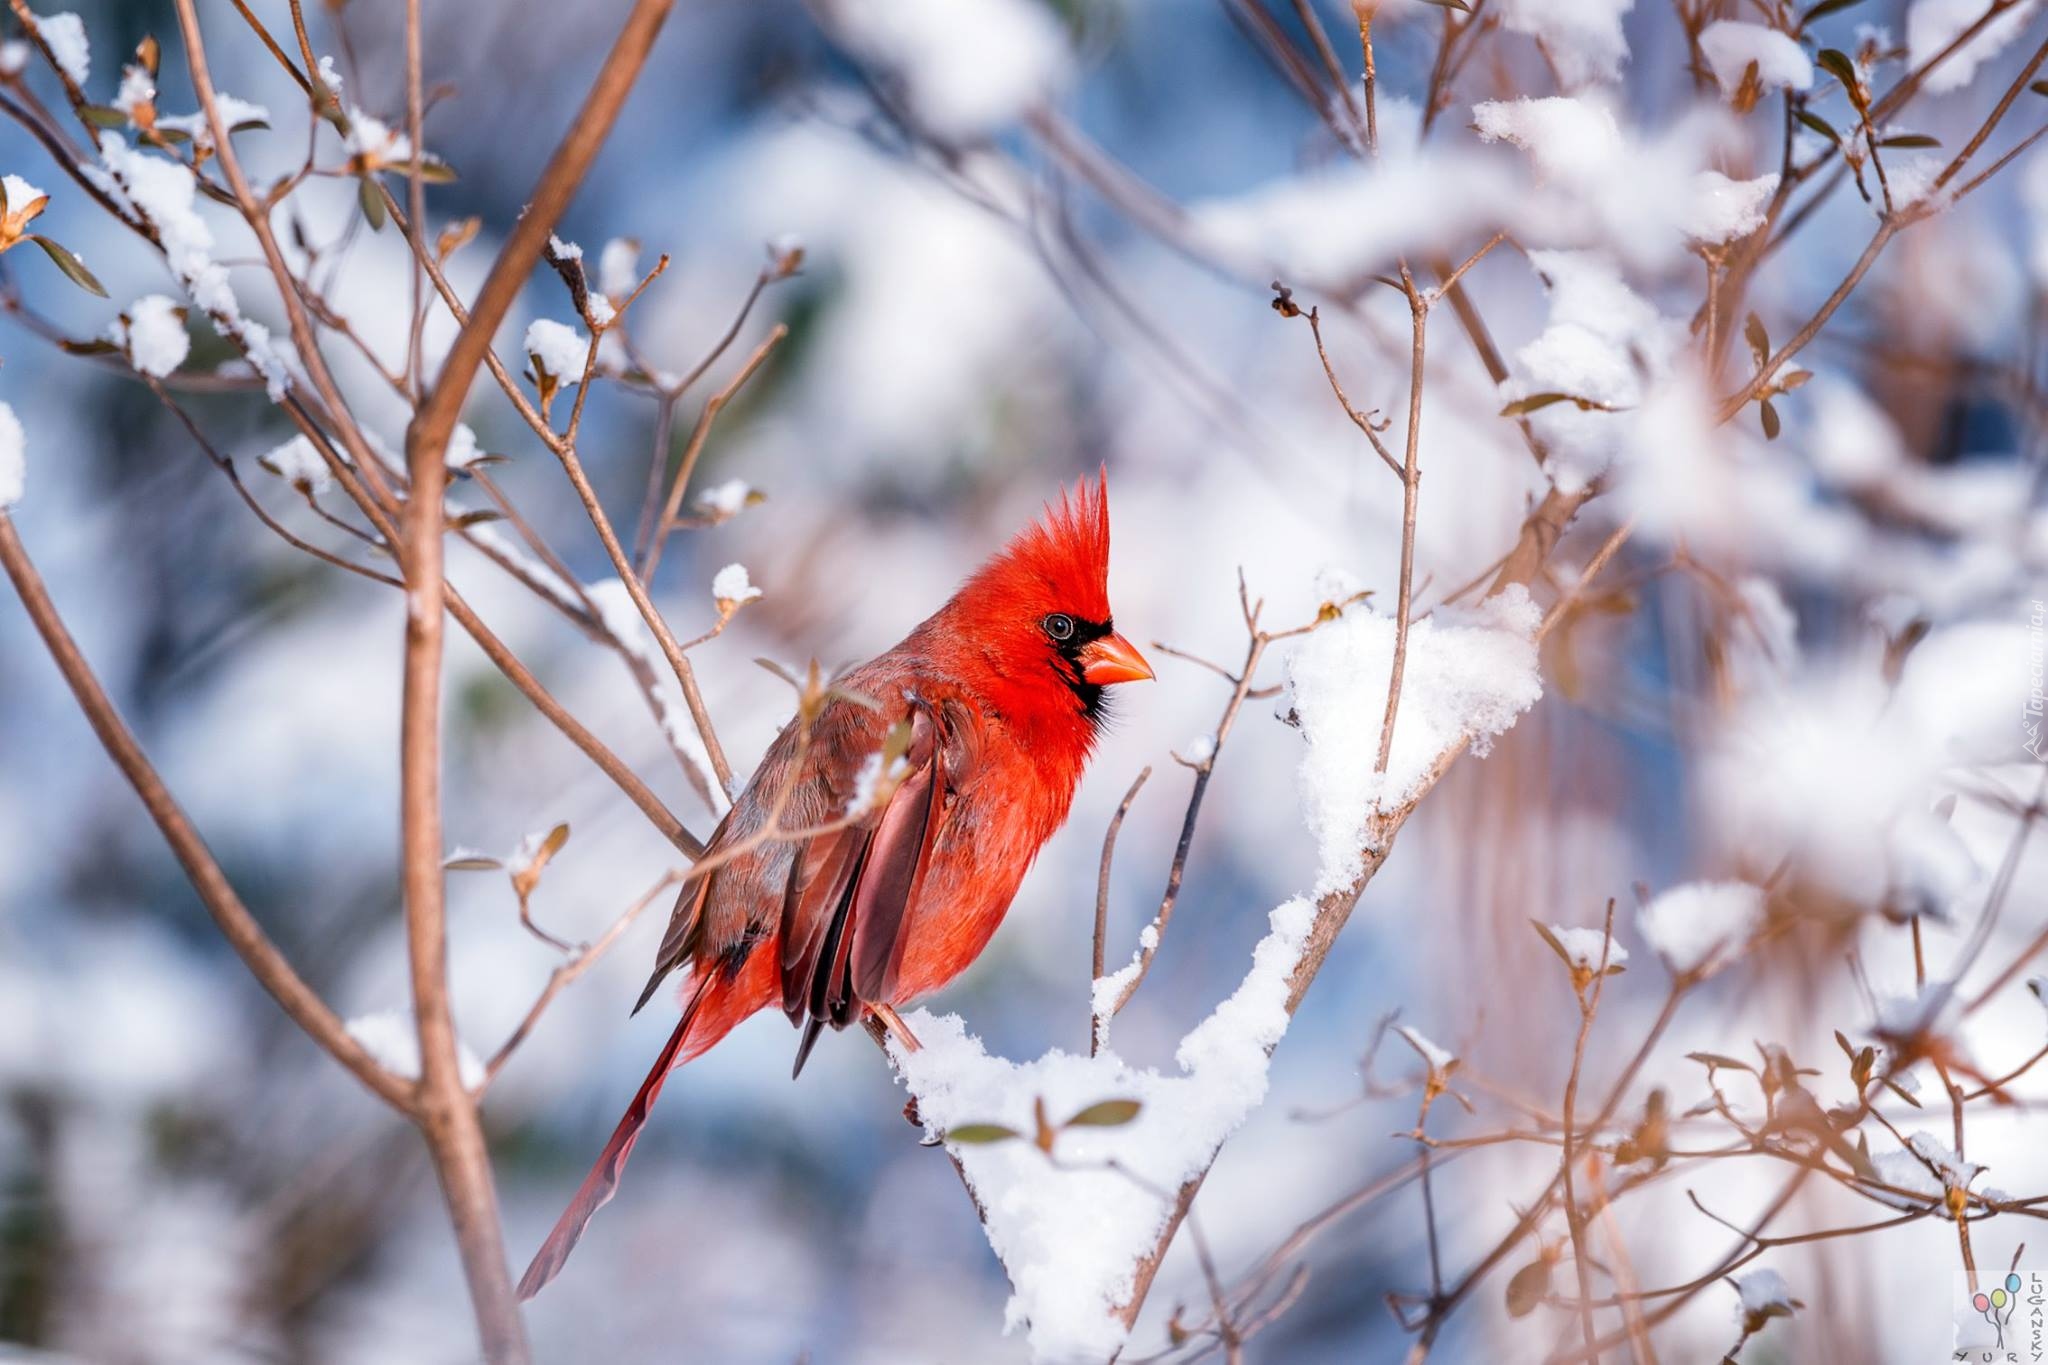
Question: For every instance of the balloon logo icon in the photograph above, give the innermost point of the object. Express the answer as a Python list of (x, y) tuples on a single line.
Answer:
[(1997, 1306)]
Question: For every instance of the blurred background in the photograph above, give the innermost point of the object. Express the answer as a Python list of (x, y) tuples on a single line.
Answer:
[(185, 1178)]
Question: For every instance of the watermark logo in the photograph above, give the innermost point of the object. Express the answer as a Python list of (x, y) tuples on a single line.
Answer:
[(2037, 644), (1998, 1306), (2009, 1324)]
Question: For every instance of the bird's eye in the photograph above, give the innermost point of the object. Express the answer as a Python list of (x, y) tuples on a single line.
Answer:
[(1059, 626)]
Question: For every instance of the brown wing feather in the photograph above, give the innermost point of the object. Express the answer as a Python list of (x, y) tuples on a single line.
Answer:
[(841, 932)]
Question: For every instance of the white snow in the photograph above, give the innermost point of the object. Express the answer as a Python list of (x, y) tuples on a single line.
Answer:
[(875, 780), (727, 499), (1201, 748), (375, 141), (621, 618), (618, 267), (462, 450), (1467, 676), (1932, 25), (65, 35), (299, 464), (1697, 927), (1107, 990), (1582, 38), (1909, 1016), (153, 335), (1069, 1231), (13, 457), (163, 191), (1730, 45), (559, 348), (968, 67), (1762, 1291), (1723, 209), (520, 860), (234, 113), (1569, 138), (137, 91), (13, 57), (393, 1039), (567, 251), (1438, 1058), (1583, 948), (20, 194), (731, 584)]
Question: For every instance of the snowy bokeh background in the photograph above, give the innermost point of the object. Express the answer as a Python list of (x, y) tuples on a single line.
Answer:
[(183, 1177)]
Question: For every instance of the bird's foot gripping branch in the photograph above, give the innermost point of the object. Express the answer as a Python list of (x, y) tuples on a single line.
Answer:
[(1084, 1166)]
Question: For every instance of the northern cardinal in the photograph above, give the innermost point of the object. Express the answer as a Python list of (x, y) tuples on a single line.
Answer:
[(994, 704)]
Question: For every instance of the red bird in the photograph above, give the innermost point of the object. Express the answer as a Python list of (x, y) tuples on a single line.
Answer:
[(1000, 693)]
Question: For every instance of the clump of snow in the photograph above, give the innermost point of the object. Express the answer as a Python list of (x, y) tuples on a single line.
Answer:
[(968, 67), (1584, 948), (137, 92), (1201, 748), (1569, 138), (65, 36), (375, 141), (20, 194), (1723, 209), (621, 619), (1698, 926), (726, 499), (618, 267), (1438, 1058), (462, 450), (1069, 1230), (1931, 25), (394, 1040), (559, 348), (234, 113), (299, 464), (1764, 1292), (1108, 990), (1730, 45), (567, 251), (13, 57), (731, 584), (1909, 1016), (1467, 676), (163, 191), (13, 457), (153, 335), (877, 777), (1602, 343), (1582, 38)]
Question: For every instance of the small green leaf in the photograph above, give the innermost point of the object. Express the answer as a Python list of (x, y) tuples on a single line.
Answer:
[(1527, 1288), (1759, 340), (482, 516), (1535, 402), (1836, 63), (472, 863), (73, 268), (372, 202), (1710, 1060), (1771, 424), (97, 346), (1458, 5), (981, 1132), (1551, 939), (1906, 140), (1105, 1114), (1825, 8), (2039, 87), (102, 116), (1818, 124)]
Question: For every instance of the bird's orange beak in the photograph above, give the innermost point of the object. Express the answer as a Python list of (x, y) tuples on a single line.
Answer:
[(1113, 659)]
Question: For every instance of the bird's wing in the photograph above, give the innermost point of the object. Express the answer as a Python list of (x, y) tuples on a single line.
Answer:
[(848, 893)]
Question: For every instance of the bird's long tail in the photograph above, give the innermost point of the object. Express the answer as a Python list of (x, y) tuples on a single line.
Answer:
[(603, 1181)]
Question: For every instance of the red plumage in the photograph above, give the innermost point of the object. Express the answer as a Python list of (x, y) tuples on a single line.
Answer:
[(1002, 690)]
